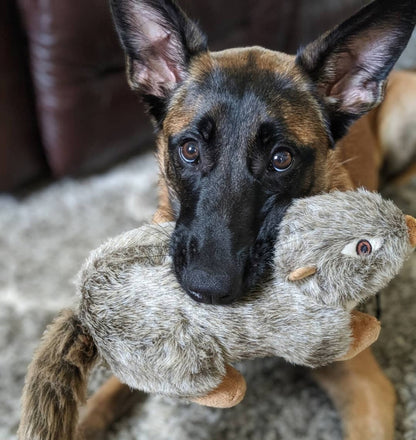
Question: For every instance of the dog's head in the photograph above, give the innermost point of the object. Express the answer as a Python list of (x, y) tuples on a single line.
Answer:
[(244, 131)]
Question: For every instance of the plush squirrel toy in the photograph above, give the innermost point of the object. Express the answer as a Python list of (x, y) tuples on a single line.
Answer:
[(333, 251)]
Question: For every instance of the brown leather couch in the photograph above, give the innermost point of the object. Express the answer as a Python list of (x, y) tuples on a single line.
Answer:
[(21, 156), (64, 103)]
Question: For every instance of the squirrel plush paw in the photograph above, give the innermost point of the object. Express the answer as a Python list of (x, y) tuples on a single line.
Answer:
[(230, 392), (365, 331)]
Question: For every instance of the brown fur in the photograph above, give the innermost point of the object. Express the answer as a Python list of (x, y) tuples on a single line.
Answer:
[(104, 408), (363, 395), (56, 381)]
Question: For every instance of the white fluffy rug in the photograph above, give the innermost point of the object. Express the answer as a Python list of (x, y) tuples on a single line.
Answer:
[(44, 239)]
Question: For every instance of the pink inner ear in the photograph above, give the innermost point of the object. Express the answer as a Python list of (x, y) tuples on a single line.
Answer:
[(162, 65), (354, 93), (159, 70), (354, 69)]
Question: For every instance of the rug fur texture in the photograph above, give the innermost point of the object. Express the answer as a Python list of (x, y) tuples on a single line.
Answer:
[(44, 240)]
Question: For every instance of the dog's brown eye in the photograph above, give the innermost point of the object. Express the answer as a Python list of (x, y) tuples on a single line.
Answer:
[(189, 152), (364, 248), (282, 159)]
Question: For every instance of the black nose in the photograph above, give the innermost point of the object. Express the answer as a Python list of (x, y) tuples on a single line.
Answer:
[(210, 287)]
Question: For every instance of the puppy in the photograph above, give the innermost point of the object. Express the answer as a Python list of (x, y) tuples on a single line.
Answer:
[(243, 132)]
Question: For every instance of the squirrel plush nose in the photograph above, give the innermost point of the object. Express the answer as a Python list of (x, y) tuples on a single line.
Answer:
[(411, 226)]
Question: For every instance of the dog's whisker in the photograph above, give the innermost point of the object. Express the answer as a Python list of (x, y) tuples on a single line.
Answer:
[(351, 159)]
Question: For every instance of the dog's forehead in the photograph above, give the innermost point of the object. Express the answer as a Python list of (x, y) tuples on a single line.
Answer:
[(261, 83), (255, 57)]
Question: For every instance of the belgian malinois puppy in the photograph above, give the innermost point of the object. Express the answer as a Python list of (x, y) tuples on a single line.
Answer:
[(241, 133)]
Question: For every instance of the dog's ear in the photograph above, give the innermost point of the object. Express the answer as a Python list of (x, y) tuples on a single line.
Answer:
[(350, 63), (159, 40)]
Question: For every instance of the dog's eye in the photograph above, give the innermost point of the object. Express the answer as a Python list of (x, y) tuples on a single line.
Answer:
[(189, 151), (282, 159), (364, 248)]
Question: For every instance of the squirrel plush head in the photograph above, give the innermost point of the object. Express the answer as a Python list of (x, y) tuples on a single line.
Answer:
[(342, 259)]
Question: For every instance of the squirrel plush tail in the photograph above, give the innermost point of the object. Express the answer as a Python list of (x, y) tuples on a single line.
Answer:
[(56, 382)]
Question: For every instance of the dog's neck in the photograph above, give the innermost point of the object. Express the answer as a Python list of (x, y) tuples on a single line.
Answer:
[(337, 175)]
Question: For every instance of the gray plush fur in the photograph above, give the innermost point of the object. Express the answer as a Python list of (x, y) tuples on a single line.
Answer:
[(155, 338), (316, 230)]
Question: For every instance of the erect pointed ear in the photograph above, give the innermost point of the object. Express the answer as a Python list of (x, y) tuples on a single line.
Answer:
[(350, 64), (159, 41)]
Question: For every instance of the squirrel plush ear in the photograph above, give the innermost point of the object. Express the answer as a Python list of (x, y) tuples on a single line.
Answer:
[(301, 273)]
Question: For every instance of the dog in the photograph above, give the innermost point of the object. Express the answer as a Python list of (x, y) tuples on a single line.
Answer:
[(243, 132)]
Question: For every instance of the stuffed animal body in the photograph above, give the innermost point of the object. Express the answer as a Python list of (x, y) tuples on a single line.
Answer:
[(332, 251)]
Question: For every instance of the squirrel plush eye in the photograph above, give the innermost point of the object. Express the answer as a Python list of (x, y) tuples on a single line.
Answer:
[(364, 248), (189, 152)]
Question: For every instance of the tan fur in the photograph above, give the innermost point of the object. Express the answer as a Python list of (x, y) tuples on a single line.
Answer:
[(359, 153), (230, 392), (105, 407), (395, 125), (56, 381), (301, 273), (363, 395), (179, 116), (365, 331), (305, 129), (336, 174), (411, 225), (265, 59)]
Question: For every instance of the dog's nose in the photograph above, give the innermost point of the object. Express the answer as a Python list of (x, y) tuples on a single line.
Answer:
[(411, 226), (209, 287)]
